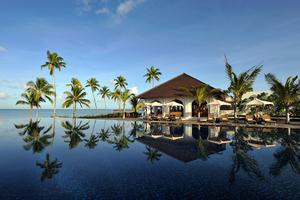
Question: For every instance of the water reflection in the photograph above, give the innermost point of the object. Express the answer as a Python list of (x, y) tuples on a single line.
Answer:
[(184, 143), (49, 167), (74, 132), (36, 137)]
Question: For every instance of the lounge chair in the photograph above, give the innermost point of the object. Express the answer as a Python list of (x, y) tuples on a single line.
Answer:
[(267, 119), (250, 119), (224, 118), (210, 117)]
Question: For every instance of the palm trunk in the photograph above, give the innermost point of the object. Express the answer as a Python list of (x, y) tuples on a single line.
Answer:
[(95, 102), (199, 115), (124, 108), (74, 110), (30, 112), (54, 87), (287, 114), (234, 112)]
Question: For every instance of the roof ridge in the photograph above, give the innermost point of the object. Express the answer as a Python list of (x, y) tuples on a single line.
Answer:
[(165, 83)]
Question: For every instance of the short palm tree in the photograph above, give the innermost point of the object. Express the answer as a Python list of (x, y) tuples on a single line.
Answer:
[(152, 75), (240, 84), (105, 93), (120, 83), (93, 83), (75, 96), (54, 61), (286, 94), (27, 99), (74, 83), (124, 97), (41, 90), (202, 93), (115, 95), (136, 104), (50, 167)]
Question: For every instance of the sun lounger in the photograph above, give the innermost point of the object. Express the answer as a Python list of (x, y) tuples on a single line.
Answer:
[(210, 117), (267, 119), (250, 119), (224, 118)]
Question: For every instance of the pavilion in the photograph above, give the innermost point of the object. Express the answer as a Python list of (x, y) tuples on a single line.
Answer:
[(171, 96)]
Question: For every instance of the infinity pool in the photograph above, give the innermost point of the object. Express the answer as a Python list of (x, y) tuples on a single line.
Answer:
[(105, 159)]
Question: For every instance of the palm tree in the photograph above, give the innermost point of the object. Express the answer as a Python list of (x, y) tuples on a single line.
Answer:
[(120, 83), (121, 141), (105, 93), (28, 99), (74, 133), (286, 94), (136, 104), (152, 154), (93, 83), (152, 75), (74, 97), (93, 140), (104, 134), (54, 61), (74, 83), (124, 97), (202, 93), (50, 167), (115, 95), (41, 90), (240, 84)]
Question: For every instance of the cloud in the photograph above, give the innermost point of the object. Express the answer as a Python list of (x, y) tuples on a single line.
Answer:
[(134, 90), (2, 49), (12, 84), (103, 11), (127, 6), (3, 96)]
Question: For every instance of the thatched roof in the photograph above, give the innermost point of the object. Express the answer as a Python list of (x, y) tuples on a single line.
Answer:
[(173, 87)]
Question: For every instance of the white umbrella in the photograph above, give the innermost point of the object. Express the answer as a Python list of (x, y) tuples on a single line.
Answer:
[(219, 103), (155, 103), (173, 103), (258, 102)]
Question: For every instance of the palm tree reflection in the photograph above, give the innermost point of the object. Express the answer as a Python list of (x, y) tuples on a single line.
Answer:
[(50, 167), (241, 159), (288, 154), (104, 134), (34, 135), (120, 140), (152, 154), (92, 142), (74, 133)]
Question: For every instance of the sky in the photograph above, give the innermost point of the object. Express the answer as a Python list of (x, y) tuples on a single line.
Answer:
[(108, 38)]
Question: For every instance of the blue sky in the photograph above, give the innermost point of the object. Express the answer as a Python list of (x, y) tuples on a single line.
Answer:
[(107, 38)]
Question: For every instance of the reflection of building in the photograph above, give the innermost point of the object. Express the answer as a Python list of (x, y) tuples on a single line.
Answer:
[(174, 91), (185, 149)]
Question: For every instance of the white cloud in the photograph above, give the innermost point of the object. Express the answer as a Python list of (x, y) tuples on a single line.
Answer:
[(134, 90), (3, 96), (127, 6), (103, 11), (2, 49)]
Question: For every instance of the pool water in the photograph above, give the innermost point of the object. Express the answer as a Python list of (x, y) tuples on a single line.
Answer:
[(105, 159)]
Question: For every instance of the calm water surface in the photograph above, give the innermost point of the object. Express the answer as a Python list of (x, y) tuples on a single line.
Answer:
[(105, 159)]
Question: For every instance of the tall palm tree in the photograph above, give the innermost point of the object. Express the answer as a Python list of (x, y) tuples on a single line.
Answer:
[(93, 83), (27, 99), (124, 97), (120, 83), (152, 75), (50, 167), (240, 84), (136, 104), (201, 93), (115, 95), (75, 96), (105, 93), (41, 90), (286, 94), (54, 61)]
